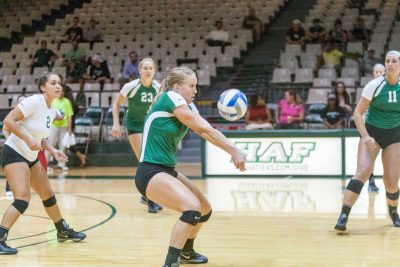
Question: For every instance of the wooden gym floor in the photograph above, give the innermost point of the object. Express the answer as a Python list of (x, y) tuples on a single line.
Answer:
[(256, 223)]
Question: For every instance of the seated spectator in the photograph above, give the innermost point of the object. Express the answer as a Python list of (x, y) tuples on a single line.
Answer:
[(290, 111), (343, 98), (296, 34), (369, 61), (253, 23), (43, 57), (359, 32), (75, 63), (331, 56), (338, 36), (92, 34), (217, 37), (130, 71), (98, 71), (378, 70), (316, 33), (333, 115), (258, 116), (74, 33)]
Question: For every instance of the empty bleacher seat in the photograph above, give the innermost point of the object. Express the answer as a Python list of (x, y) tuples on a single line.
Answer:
[(281, 76)]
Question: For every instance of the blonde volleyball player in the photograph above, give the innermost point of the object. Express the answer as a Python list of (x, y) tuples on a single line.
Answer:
[(140, 94), (29, 124), (169, 118)]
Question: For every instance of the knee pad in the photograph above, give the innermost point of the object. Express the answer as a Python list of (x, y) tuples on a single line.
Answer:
[(355, 186), (205, 217), (50, 202), (20, 205), (191, 217), (393, 196)]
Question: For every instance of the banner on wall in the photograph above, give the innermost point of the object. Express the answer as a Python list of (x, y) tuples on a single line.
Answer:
[(351, 157), (279, 156)]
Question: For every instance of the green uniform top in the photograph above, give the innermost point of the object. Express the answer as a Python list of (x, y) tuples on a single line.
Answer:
[(65, 106), (43, 56), (163, 131), (139, 101), (384, 109)]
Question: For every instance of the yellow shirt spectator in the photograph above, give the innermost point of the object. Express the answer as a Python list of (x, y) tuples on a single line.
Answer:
[(62, 105)]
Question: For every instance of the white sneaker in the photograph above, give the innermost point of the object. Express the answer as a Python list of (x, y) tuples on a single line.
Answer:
[(64, 168), (9, 194), (50, 170)]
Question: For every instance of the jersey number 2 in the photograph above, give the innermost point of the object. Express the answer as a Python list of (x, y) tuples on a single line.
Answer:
[(392, 97), (147, 97), (48, 122)]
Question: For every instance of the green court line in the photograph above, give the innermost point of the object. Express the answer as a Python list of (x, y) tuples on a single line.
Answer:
[(112, 215), (105, 177)]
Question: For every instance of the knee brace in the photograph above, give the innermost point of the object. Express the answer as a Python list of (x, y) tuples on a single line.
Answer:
[(50, 202), (20, 205), (393, 196), (191, 217), (355, 186), (205, 217)]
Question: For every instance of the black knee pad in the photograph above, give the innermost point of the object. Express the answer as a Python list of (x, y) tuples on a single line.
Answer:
[(191, 217), (20, 205), (355, 186), (50, 202), (205, 217), (393, 196)]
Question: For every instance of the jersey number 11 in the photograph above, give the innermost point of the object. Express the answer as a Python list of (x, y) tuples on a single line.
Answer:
[(392, 97)]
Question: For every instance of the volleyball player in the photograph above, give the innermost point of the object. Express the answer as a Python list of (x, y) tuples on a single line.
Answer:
[(167, 122), (29, 124), (381, 130), (377, 71), (140, 94)]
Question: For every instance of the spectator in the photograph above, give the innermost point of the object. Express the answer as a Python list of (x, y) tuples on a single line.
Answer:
[(331, 56), (360, 33), (258, 116), (369, 61), (62, 124), (74, 33), (253, 23), (338, 36), (296, 34), (290, 111), (343, 98), (378, 70), (333, 115), (92, 34), (43, 57), (75, 63), (98, 71), (130, 71), (217, 37), (316, 33)]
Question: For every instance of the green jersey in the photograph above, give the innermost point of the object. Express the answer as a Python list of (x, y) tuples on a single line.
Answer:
[(384, 109), (139, 101), (163, 131)]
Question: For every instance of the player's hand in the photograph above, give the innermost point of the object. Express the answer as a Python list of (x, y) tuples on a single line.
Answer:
[(370, 142), (116, 131), (34, 145), (239, 160), (60, 156)]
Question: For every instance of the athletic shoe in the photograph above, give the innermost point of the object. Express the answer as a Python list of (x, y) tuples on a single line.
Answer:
[(396, 220), (152, 207), (143, 200), (172, 265), (6, 250), (192, 257), (341, 223), (373, 188), (70, 234)]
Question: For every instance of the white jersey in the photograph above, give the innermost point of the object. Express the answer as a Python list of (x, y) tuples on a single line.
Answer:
[(37, 121)]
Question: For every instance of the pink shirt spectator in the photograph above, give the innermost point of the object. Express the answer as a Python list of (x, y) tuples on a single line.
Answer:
[(287, 109)]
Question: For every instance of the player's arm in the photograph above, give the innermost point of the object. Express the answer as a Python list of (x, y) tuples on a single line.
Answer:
[(10, 122), (6, 132), (116, 129), (358, 116), (199, 125), (57, 154)]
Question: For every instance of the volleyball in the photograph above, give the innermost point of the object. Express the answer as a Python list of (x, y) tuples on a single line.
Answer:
[(232, 104)]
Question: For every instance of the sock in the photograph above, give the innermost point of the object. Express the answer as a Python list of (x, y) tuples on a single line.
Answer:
[(61, 225), (346, 210), (3, 233), (188, 247), (172, 256), (393, 212)]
